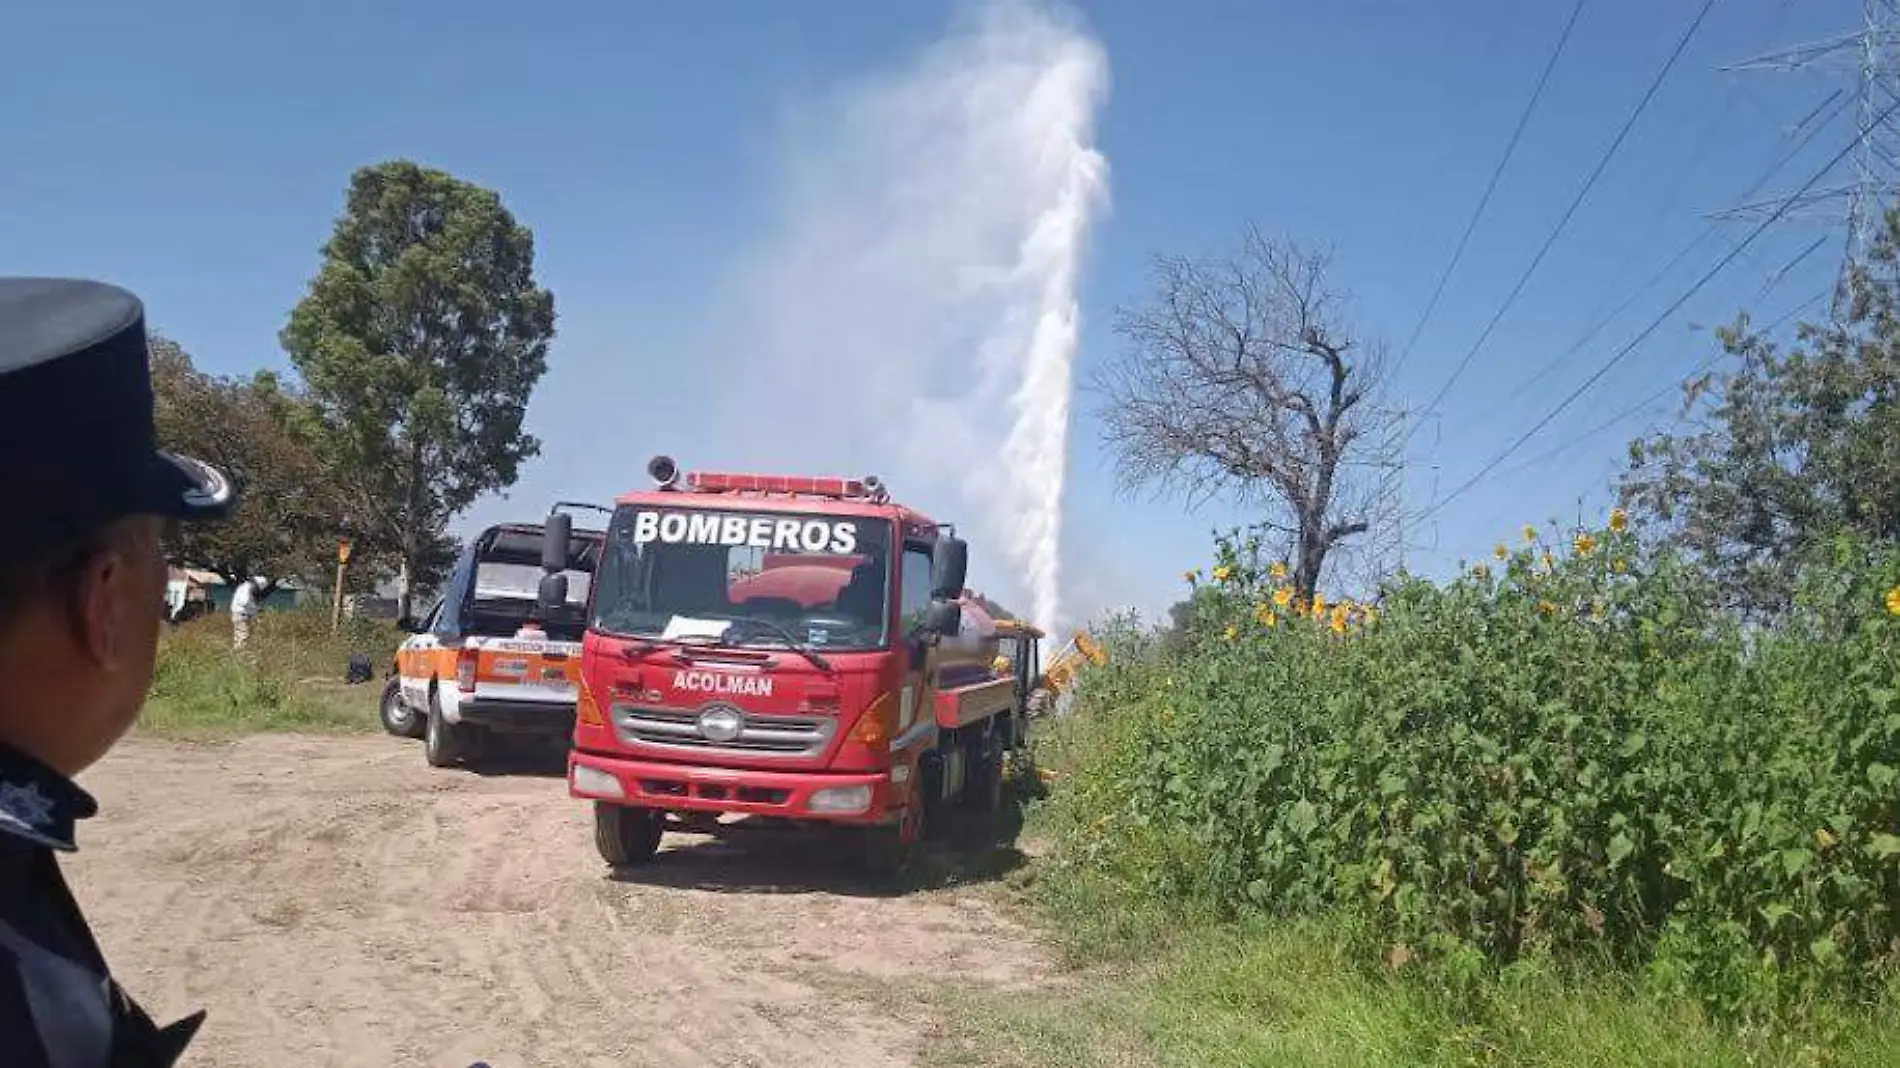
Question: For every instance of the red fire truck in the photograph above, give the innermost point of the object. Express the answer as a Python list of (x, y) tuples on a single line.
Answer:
[(780, 648)]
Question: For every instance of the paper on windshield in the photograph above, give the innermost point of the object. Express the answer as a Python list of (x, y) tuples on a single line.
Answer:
[(687, 627)]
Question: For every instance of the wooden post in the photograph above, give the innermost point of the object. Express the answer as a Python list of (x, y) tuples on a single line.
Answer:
[(336, 603)]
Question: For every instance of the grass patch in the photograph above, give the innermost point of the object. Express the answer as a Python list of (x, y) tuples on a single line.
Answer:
[(1162, 990), (290, 678)]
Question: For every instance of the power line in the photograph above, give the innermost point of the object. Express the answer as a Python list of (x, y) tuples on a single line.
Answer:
[(1773, 280), (1471, 225), (1711, 130), (1840, 101), (1656, 323), (1675, 384), (1603, 164)]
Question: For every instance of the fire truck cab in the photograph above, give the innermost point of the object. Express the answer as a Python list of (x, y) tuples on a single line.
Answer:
[(779, 648)]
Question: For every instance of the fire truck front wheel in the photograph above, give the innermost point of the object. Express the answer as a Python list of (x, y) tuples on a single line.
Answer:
[(626, 835), (983, 782)]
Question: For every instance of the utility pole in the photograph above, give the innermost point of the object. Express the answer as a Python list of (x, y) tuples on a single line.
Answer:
[(1870, 56)]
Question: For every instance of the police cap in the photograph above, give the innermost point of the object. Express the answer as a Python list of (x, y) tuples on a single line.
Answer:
[(77, 443)]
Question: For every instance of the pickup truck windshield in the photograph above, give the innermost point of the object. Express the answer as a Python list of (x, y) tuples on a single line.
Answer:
[(742, 578)]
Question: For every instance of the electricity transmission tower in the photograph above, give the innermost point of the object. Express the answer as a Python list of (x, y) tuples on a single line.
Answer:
[(1386, 514), (1871, 57)]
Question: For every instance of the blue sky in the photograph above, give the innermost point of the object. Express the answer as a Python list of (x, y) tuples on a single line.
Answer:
[(198, 153)]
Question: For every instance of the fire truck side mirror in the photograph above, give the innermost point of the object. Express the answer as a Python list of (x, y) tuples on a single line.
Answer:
[(949, 566), (555, 536), (551, 597), (942, 618)]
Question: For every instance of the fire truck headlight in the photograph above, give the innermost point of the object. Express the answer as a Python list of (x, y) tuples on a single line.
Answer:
[(596, 783), (842, 800)]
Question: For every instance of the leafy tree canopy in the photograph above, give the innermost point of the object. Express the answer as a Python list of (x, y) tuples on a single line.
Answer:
[(421, 339), (260, 432), (1789, 446)]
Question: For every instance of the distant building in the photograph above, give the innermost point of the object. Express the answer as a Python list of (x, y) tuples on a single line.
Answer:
[(191, 592)]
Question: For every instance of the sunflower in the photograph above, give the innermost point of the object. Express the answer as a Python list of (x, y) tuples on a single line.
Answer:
[(1585, 544), (1277, 570), (1282, 597), (1619, 520), (1223, 573)]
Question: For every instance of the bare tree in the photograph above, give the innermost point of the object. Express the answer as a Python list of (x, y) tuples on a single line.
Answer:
[(1239, 379)]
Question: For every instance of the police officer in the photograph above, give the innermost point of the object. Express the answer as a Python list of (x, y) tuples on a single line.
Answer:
[(82, 577)]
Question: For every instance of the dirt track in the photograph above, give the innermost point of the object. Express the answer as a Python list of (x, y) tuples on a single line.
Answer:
[(334, 901)]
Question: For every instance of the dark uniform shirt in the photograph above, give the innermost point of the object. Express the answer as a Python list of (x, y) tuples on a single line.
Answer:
[(59, 1006)]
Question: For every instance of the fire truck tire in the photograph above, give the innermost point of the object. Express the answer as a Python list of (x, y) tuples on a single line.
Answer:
[(983, 783), (444, 744), (626, 836), (398, 718), (890, 851)]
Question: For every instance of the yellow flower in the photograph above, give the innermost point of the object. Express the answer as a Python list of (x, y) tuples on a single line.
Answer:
[(1547, 608), (1223, 573), (1230, 633), (1500, 551), (1282, 597), (1319, 605), (1893, 601), (1585, 544), (1338, 622), (1617, 565), (1191, 574), (1263, 614), (1619, 520), (1268, 619), (1530, 534), (1278, 570)]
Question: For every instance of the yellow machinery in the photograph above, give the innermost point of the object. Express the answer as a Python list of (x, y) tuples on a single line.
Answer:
[(1020, 651)]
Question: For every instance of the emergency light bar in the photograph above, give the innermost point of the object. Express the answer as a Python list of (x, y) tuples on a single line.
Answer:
[(804, 485)]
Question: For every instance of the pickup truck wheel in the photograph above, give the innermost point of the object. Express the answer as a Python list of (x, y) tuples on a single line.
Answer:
[(626, 835), (443, 743), (398, 718)]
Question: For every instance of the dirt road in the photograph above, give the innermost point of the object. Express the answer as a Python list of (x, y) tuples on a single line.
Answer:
[(334, 901)]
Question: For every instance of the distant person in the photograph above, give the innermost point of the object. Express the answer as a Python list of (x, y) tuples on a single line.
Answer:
[(245, 601), (81, 563)]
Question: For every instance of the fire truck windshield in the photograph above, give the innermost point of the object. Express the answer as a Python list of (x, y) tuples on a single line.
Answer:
[(743, 578)]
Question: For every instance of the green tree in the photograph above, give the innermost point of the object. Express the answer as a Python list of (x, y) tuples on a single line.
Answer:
[(260, 432), (421, 339), (1789, 446)]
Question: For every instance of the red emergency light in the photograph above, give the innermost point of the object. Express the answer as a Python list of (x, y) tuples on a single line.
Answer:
[(799, 485)]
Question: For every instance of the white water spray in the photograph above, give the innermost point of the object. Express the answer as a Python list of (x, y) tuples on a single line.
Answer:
[(918, 310)]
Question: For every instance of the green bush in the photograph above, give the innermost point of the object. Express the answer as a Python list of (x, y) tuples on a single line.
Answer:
[(289, 676), (1569, 753)]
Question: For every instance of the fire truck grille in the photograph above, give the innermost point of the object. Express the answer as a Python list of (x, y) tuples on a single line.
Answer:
[(759, 735)]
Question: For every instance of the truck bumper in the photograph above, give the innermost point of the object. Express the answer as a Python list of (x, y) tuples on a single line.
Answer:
[(517, 717), (850, 798)]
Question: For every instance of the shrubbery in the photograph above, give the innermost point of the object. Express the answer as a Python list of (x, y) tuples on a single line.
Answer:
[(289, 676), (1568, 754)]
